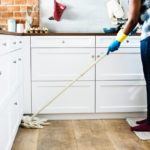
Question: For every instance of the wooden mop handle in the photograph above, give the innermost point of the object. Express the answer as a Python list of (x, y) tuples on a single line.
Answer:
[(71, 83)]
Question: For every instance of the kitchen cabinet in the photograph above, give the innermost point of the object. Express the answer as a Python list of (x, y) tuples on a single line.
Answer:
[(120, 96), (80, 98), (120, 85), (124, 64), (57, 60), (33, 69), (54, 64), (11, 87)]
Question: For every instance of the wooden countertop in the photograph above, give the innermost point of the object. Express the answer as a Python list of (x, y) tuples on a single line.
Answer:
[(57, 34)]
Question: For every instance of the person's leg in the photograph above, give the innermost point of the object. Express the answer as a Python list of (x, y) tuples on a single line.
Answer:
[(144, 58), (145, 55)]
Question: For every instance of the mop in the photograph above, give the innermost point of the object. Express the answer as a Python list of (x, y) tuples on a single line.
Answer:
[(35, 122)]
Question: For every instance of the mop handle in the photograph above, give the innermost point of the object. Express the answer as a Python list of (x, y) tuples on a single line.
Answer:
[(71, 83)]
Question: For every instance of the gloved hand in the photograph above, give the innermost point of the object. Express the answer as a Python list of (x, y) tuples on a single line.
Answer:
[(116, 44), (113, 46)]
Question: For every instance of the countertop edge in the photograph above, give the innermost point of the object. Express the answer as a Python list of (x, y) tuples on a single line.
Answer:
[(59, 34)]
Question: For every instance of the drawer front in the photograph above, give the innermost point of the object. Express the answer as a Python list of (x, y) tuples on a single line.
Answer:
[(62, 41), (120, 66), (116, 96), (133, 41), (15, 43), (78, 99), (4, 76), (61, 63)]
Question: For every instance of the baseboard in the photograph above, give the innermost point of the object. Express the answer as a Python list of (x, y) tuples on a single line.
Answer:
[(92, 116)]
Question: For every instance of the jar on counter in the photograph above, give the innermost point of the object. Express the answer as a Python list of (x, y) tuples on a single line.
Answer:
[(11, 25), (20, 28)]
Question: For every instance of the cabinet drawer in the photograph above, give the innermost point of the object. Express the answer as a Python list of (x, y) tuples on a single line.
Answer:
[(133, 41), (15, 43), (120, 66), (4, 76), (124, 96), (61, 63), (62, 41), (78, 99)]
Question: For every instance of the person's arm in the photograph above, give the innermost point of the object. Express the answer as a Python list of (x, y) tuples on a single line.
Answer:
[(133, 17)]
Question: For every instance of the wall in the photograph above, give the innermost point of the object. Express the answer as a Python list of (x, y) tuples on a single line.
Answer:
[(17, 9), (80, 15)]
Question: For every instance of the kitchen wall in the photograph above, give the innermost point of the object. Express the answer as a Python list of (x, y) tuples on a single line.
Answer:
[(80, 15), (17, 9)]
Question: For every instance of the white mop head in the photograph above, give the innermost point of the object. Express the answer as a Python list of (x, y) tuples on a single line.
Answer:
[(33, 123)]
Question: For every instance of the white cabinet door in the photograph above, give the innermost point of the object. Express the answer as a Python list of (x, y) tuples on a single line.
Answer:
[(5, 128), (4, 77), (16, 68), (16, 111), (120, 96), (61, 63), (122, 65), (80, 98)]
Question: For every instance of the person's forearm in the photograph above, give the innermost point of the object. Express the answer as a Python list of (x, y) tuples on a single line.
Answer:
[(130, 25), (133, 17)]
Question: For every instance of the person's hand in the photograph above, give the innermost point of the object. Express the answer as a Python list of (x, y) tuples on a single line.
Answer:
[(113, 46)]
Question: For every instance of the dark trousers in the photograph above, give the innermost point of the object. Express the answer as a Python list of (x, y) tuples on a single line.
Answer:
[(145, 55)]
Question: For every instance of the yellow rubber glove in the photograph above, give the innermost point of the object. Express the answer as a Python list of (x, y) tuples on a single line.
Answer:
[(121, 36)]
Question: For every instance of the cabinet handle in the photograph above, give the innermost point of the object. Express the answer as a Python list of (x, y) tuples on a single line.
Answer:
[(14, 43), (127, 41), (98, 56), (16, 103), (92, 56), (0, 73), (14, 61), (63, 42), (19, 59), (20, 42), (4, 44)]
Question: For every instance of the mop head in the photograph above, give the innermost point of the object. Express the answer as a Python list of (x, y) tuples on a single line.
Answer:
[(33, 122)]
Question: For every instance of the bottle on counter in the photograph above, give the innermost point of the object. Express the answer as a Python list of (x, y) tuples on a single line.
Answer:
[(28, 22)]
